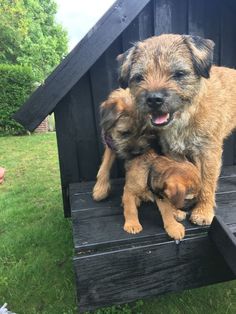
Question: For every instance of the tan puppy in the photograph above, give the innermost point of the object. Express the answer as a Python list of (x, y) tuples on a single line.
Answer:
[(151, 177), (123, 135), (190, 104)]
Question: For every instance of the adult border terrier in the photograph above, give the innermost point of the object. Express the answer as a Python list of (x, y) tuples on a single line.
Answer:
[(190, 104)]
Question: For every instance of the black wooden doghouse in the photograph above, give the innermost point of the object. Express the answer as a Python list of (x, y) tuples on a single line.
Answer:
[(113, 266)]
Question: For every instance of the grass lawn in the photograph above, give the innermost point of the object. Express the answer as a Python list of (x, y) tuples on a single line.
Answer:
[(36, 273)]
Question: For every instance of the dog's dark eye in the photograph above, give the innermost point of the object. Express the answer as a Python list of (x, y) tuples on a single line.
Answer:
[(179, 75), (125, 133), (137, 78)]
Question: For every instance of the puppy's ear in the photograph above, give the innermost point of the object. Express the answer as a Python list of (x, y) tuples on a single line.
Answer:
[(108, 115), (202, 53), (175, 193), (152, 180), (124, 66)]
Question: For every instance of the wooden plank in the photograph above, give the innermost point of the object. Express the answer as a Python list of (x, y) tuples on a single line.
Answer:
[(232, 5), (228, 171), (67, 149), (204, 21), (140, 29), (147, 270), (228, 52), (99, 225), (228, 152), (170, 16), (103, 75), (78, 62), (83, 121), (225, 241), (102, 227)]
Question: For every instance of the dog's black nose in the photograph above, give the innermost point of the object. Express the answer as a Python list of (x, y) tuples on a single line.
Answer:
[(155, 99)]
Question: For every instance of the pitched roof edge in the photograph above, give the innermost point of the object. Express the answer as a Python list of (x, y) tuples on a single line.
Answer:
[(77, 63)]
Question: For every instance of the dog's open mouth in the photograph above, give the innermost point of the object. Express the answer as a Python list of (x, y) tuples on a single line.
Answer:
[(160, 119)]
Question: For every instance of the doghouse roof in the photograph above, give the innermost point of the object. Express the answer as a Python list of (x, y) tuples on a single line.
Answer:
[(44, 100)]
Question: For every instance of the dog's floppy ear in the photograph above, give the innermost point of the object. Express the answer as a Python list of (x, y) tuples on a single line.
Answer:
[(175, 193), (124, 66), (202, 53)]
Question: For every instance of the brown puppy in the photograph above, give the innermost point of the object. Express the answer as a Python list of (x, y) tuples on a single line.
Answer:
[(187, 101), (149, 177), (123, 134)]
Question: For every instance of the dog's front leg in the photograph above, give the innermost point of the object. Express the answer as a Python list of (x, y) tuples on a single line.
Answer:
[(132, 224), (173, 228), (210, 164), (102, 186)]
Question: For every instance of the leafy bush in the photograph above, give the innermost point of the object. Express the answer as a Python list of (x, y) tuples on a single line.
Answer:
[(16, 84)]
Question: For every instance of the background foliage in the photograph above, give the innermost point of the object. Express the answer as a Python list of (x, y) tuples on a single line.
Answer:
[(16, 83), (29, 38)]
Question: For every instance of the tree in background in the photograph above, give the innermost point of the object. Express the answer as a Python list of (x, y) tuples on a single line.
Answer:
[(30, 36), (31, 45)]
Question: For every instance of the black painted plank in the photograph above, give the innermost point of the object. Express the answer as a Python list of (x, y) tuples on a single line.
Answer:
[(99, 225), (148, 270), (140, 29), (83, 121), (228, 171), (228, 52), (102, 227), (170, 16), (103, 75), (78, 62), (204, 21), (225, 241), (66, 142)]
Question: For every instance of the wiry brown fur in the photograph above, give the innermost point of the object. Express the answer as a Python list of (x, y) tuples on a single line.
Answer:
[(119, 121), (200, 100), (174, 181)]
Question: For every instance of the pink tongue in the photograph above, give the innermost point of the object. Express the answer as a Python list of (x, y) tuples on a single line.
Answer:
[(162, 119)]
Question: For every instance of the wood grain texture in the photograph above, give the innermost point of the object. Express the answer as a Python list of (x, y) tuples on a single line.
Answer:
[(114, 267), (140, 28), (103, 76), (66, 142), (225, 241), (170, 16), (227, 58), (85, 136), (126, 275), (78, 155), (99, 225), (204, 21)]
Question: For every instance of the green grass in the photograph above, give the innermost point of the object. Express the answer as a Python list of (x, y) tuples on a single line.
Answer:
[(36, 249)]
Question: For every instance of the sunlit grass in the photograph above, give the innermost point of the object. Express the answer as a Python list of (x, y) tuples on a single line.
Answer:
[(36, 249)]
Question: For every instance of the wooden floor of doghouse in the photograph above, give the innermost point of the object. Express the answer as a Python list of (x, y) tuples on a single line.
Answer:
[(99, 225), (114, 267)]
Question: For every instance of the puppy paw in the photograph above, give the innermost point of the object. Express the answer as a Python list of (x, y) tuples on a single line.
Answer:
[(101, 191), (202, 217), (133, 227), (176, 231), (180, 215)]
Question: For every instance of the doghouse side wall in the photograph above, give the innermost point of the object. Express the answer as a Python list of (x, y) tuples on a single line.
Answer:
[(77, 115)]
